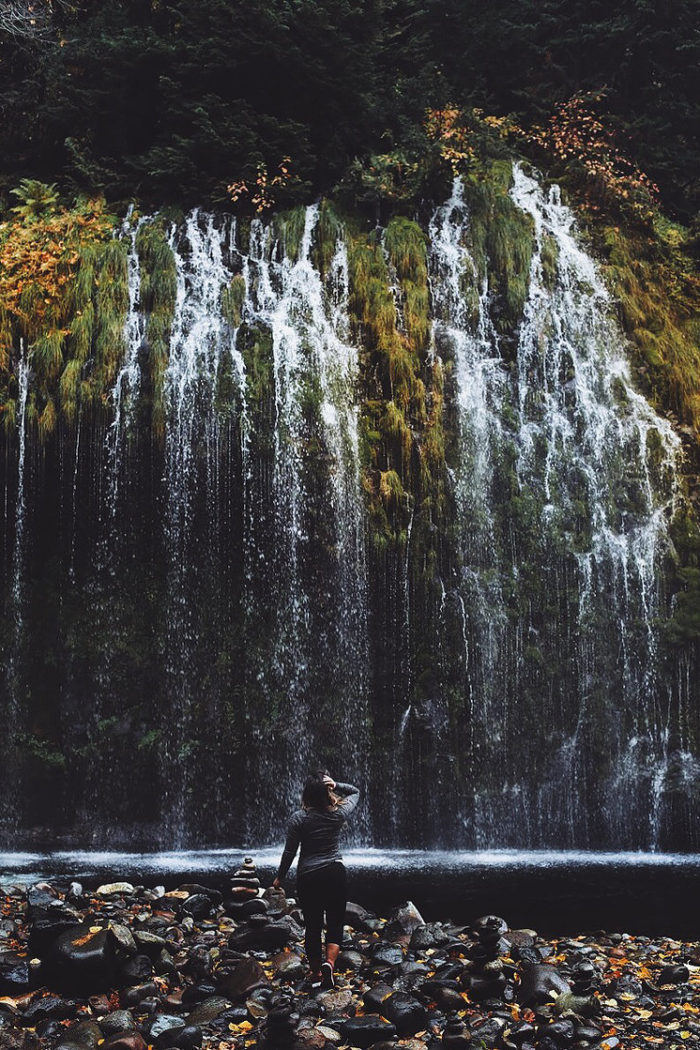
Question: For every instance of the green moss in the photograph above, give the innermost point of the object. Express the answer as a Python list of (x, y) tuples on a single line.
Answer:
[(70, 388), (8, 414), (232, 299), (158, 293), (47, 354), (47, 419), (327, 232), (112, 309), (391, 491), (289, 227), (501, 241), (81, 332), (406, 245), (255, 345), (657, 288), (549, 259)]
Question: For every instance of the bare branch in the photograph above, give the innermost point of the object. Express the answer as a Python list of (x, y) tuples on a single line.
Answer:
[(26, 19)]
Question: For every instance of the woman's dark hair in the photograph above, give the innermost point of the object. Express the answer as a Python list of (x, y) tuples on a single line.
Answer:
[(316, 794)]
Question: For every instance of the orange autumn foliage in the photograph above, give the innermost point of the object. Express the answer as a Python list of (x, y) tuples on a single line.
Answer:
[(38, 258)]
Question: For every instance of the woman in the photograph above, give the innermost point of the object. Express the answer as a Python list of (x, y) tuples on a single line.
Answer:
[(321, 879)]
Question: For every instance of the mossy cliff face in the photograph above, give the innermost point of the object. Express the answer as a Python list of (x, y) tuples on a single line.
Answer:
[(315, 491)]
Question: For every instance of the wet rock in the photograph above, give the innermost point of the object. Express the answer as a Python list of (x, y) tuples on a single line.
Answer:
[(247, 975), (445, 994), (82, 960), (278, 1032), (135, 970), (456, 1035), (128, 1040), (209, 1009), (367, 1030), (588, 1033), (275, 901), (674, 974), (16, 1039), (406, 1013), (561, 1032), (52, 1006), (488, 1034), (583, 978), (198, 906), (405, 919), (138, 994), (123, 938), (239, 910), (189, 1038), (521, 938), (540, 983), (430, 935), (375, 996), (42, 895), (245, 883), (265, 935), (148, 942), (521, 1033), (355, 915), (290, 967), (87, 1033), (47, 927), (111, 889), (118, 1021), (259, 1002), (310, 1039), (386, 954), (349, 960), (336, 1003), (164, 1029), (15, 974), (197, 993)]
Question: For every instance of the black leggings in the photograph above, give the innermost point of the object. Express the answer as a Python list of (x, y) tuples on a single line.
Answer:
[(322, 890)]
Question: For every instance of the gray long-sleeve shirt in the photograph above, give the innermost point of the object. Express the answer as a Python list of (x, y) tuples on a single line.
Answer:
[(317, 833)]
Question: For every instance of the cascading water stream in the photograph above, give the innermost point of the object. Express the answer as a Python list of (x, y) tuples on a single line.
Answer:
[(605, 447), (14, 716), (593, 470), (200, 335), (315, 374)]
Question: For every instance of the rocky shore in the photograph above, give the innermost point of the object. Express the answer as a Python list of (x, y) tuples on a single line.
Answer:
[(127, 967)]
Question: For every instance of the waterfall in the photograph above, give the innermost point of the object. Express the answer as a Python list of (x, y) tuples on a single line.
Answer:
[(593, 469), (228, 613), (14, 716), (315, 369)]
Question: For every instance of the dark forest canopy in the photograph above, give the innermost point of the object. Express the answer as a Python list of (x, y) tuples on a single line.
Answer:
[(172, 100)]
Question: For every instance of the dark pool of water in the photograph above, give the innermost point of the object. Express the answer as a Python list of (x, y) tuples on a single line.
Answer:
[(555, 893)]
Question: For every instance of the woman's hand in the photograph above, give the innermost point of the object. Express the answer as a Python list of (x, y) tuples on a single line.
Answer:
[(276, 884), (329, 781)]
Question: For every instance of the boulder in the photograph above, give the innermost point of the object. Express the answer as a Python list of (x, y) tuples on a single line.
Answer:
[(540, 983), (367, 1030), (247, 975), (15, 974), (116, 1022), (164, 1029), (83, 961), (406, 918), (209, 1009), (406, 1013), (129, 1040)]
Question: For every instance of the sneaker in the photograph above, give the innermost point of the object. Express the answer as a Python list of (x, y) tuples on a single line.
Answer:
[(327, 976)]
